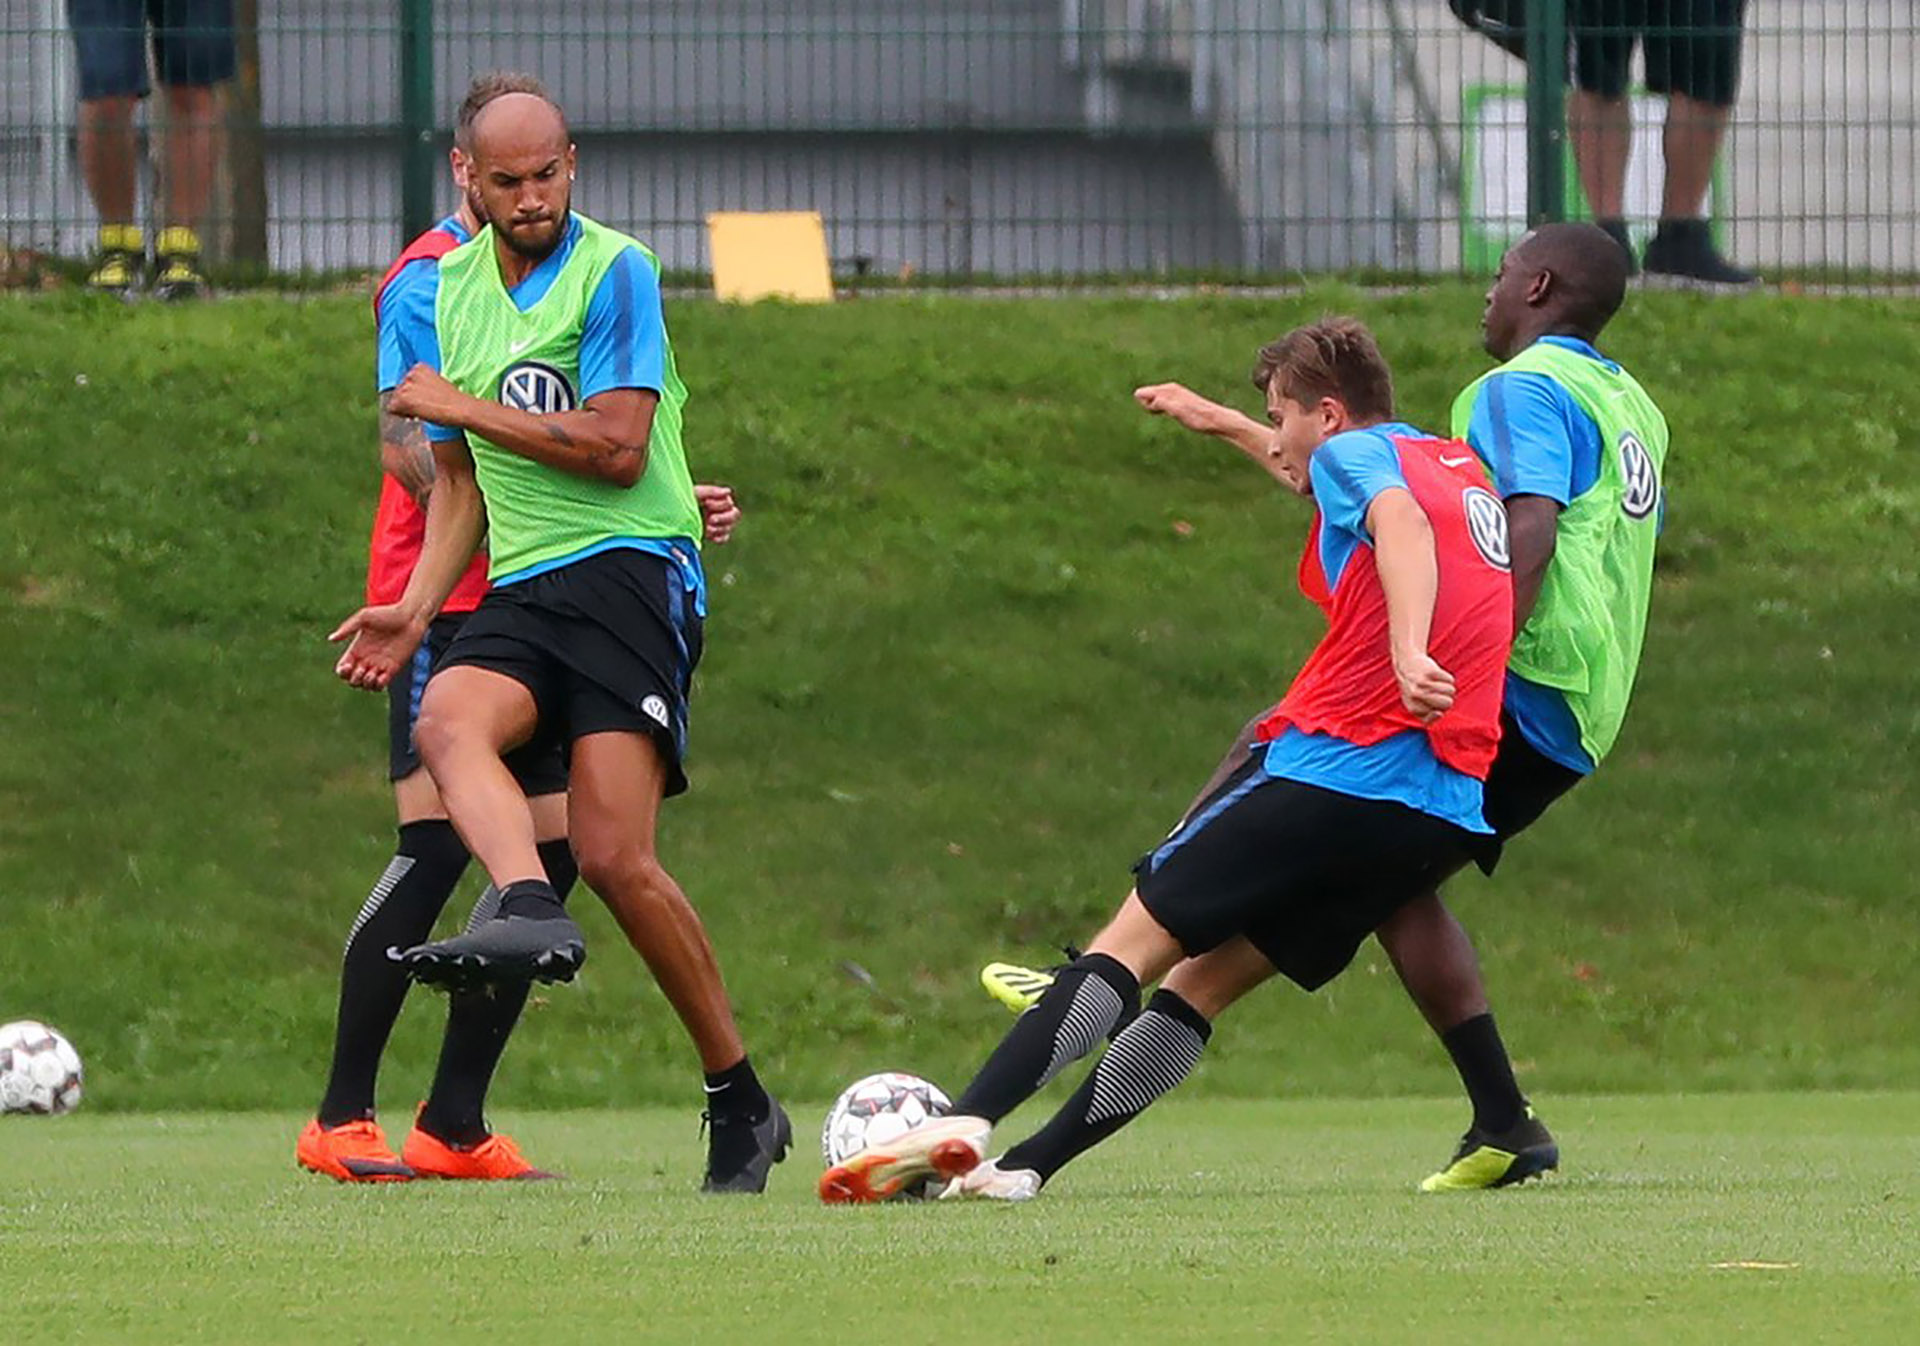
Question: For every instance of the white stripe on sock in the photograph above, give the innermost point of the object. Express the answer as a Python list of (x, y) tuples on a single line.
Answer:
[(1151, 1056), (396, 870), (1095, 1007)]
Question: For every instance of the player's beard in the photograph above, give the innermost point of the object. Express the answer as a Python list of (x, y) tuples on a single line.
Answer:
[(544, 248)]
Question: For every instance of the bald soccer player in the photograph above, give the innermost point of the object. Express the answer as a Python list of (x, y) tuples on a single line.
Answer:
[(552, 400)]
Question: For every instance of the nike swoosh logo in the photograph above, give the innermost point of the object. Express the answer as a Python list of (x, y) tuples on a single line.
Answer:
[(515, 347), (1455, 462)]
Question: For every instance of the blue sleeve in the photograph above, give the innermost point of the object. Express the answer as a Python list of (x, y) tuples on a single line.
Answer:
[(407, 337), (623, 343), (407, 334), (1348, 471), (1534, 438)]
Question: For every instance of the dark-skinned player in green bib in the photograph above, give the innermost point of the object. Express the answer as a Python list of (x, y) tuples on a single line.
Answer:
[(549, 391)]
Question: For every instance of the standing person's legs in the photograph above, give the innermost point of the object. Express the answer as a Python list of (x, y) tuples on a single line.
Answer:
[(109, 40), (480, 1020), (614, 797), (1693, 56), (399, 913), (1599, 117), (193, 48), (1435, 959), (618, 781)]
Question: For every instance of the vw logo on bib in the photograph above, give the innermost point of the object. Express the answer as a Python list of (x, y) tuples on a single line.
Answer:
[(533, 387), (1639, 481), (1487, 523)]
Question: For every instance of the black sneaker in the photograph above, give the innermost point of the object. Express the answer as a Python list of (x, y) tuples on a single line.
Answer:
[(505, 949), (1682, 252), (740, 1154), (1524, 1150)]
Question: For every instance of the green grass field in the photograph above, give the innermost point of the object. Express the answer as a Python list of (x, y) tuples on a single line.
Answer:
[(1776, 1218), (983, 631)]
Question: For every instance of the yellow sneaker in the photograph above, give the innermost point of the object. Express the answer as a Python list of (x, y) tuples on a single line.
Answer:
[(118, 261), (178, 277), (1525, 1150)]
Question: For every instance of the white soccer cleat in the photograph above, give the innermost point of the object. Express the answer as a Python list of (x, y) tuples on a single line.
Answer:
[(990, 1182), (947, 1148)]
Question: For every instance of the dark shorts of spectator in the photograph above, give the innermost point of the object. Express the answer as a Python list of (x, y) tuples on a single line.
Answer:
[(192, 44), (1692, 46)]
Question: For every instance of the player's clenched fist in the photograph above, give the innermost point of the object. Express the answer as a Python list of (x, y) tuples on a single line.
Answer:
[(424, 395), (1426, 689), (1179, 403)]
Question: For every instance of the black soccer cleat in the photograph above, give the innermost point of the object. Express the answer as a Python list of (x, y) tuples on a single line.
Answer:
[(1524, 1150), (505, 949), (740, 1154)]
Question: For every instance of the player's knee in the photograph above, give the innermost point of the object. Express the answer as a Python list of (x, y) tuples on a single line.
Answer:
[(621, 871), (438, 736)]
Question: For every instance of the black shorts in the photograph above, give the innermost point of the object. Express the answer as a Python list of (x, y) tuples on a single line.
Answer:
[(1692, 46), (192, 44), (540, 769), (606, 643), (1306, 874), (1520, 787)]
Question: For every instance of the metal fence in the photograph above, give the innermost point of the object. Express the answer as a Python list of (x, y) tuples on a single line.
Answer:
[(980, 140)]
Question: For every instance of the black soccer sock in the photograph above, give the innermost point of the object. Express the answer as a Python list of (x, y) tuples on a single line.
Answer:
[(398, 914), (479, 1023), (1087, 997), (1481, 1058), (1149, 1057), (737, 1092), (535, 898)]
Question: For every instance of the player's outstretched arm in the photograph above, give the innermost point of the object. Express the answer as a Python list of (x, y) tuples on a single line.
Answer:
[(605, 440), (382, 639), (1185, 407), (1410, 577)]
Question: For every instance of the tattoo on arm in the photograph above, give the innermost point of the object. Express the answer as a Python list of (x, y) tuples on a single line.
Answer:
[(404, 439), (557, 434)]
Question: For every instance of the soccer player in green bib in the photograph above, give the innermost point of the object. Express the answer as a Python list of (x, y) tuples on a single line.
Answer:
[(548, 387), (1577, 450)]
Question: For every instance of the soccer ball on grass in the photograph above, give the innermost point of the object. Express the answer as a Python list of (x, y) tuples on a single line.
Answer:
[(39, 1069), (876, 1110)]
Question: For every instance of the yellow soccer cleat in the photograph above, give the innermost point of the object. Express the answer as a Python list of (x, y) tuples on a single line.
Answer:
[(1018, 988), (1525, 1150)]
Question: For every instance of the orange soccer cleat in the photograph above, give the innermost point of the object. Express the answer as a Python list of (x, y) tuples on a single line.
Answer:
[(495, 1159), (351, 1152)]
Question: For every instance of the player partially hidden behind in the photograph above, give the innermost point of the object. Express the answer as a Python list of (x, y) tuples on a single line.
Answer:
[(1577, 450), (554, 407), (1365, 786), (450, 1138)]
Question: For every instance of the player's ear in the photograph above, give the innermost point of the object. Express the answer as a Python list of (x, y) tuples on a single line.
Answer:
[(1332, 413), (1540, 286)]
